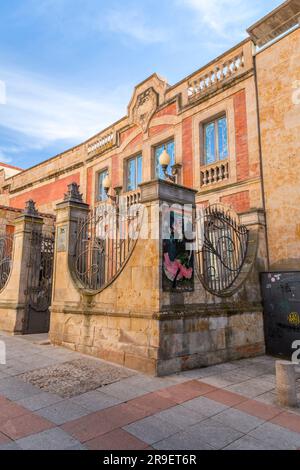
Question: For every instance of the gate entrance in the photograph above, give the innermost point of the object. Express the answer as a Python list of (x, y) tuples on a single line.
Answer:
[(39, 283), (281, 298)]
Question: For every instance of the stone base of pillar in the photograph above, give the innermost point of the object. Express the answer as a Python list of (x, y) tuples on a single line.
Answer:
[(160, 346)]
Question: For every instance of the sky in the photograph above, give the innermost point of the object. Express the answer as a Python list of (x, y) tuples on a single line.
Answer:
[(68, 67)]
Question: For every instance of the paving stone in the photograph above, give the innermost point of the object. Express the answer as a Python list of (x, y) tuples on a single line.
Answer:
[(252, 388), (186, 391), (10, 446), (9, 410), (183, 441), (152, 402), (4, 439), (288, 420), (152, 429), (238, 420), (52, 439), (204, 406), (180, 416), (95, 401), (101, 422), (277, 436), (215, 434), (42, 400), (119, 439), (226, 379), (249, 443), (150, 384), (23, 426), (63, 411), (15, 389), (123, 392), (258, 409), (226, 397)]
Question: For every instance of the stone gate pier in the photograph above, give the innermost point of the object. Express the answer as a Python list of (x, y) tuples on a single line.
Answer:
[(157, 302)]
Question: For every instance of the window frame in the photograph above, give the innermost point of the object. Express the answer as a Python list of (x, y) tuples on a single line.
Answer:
[(127, 160), (160, 144), (103, 170), (215, 120)]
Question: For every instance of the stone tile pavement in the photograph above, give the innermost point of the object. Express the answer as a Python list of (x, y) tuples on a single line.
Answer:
[(228, 406)]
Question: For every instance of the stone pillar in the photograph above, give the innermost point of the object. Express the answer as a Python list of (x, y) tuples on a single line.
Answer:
[(286, 383), (64, 290), (14, 295)]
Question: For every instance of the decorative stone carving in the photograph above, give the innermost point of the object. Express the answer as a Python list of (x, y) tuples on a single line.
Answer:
[(73, 194), (147, 97), (30, 208), (145, 108)]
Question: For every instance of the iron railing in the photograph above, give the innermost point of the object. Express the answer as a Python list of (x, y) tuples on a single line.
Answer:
[(6, 250), (105, 240), (221, 248), (39, 281)]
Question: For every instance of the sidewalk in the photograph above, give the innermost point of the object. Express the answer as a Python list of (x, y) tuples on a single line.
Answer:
[(228, 406)]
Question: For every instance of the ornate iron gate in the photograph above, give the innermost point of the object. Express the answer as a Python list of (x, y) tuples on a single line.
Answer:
[(39, 282), (105, 240), (222, 243), (6, 249)]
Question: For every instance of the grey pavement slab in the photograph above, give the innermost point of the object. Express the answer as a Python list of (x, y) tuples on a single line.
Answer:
[(52, 439), (204, 406), (249, 443), (180, 416), (10, 446), (215, 434), (226, 379), (41, 400), (62, 412), (122, 391), (151, 429), (96, 400), (183, 441), (238, 420), (277, 436), (15, 389), (252, 388), (150, 384)]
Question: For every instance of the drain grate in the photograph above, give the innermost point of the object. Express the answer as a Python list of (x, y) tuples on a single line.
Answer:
[(73, 378)]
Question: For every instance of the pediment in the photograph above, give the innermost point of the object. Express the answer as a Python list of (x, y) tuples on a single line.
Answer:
[(146, 98)]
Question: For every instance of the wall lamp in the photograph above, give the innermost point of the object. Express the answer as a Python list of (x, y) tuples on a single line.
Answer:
[(164, 161)]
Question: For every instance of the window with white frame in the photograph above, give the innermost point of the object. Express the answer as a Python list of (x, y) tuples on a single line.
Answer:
[(134, 172), (215, 140)]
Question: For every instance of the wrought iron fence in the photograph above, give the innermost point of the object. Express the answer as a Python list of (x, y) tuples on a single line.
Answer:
[(39, 282), (222, 246), (6, 250), (104, 242)]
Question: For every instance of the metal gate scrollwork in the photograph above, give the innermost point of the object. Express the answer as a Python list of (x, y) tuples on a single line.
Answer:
[(222, 243), (6, 249), (104, 242), (39, 281)]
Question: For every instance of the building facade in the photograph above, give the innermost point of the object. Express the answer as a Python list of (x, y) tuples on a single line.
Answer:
[(231, 130)]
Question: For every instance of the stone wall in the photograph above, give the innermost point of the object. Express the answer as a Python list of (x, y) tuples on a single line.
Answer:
[(133, 322), (278, 72)]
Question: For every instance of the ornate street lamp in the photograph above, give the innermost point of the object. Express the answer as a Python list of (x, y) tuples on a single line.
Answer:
[(164, 161), (106, 186)]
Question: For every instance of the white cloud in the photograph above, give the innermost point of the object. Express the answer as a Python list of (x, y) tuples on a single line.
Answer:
[(132, 23), (4, 158), (41, 110), (224, 17)]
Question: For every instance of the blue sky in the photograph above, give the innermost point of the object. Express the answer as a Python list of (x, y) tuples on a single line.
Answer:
[(69, 66)]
